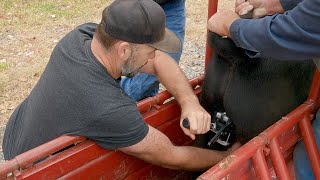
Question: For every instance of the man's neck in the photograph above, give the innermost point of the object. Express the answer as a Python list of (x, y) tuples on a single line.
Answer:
[(105, 58)]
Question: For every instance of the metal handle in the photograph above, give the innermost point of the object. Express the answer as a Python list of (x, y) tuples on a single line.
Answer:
[(185, 123)]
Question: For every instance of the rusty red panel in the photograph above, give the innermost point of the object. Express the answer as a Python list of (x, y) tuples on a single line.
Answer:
[(62, 163), (27, 158), (156, 117), (156, 172), (116, 165)]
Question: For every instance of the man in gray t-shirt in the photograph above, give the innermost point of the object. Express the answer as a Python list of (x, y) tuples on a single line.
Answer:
[(79, 92)]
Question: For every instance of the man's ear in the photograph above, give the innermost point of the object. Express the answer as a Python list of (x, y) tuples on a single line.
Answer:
[(124, 50)]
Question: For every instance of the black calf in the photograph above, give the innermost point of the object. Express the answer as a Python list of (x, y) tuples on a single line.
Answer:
[(254, 93)]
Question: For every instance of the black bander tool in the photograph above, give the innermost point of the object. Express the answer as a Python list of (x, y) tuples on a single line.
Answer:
[(221, 126)]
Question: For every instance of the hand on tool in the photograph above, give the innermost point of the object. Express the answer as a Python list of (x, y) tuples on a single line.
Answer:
[(199, 120)]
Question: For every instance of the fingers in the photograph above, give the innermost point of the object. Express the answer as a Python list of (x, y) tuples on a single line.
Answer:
[(238, 2), (202, 122), (199, 123), (188, 133), (243, 8), (259, 12)]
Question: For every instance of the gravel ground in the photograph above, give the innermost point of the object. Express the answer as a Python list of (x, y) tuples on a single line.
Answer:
[(192, 61)]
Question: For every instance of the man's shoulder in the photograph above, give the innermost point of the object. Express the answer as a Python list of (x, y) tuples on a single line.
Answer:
[(86, 28), (80, 33)]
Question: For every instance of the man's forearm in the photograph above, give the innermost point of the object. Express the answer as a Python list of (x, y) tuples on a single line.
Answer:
[(198, 159), (171, 76), (157, 149)]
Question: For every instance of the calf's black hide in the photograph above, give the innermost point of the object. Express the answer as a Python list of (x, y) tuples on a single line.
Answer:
[(254, 93)]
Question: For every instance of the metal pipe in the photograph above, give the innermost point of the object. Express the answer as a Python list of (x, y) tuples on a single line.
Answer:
[(278, 161), (310, 144), (260, 165)]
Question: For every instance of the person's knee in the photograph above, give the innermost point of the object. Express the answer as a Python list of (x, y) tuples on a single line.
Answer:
[(175, 21), (302, 166), (299, 154)]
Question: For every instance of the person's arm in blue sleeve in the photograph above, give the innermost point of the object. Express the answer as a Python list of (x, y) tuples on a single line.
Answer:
[(292, 35), (289, 4)]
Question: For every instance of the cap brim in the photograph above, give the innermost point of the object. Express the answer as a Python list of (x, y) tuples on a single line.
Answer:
[(169, 44)]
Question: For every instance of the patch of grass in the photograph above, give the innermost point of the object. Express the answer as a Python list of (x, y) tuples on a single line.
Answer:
[(35, 12), (4, 66)]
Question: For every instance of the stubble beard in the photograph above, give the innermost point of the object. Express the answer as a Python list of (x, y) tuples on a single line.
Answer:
[(128, 69)]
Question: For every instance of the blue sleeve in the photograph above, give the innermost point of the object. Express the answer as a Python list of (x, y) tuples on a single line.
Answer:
[(289, 4), (293, 35)]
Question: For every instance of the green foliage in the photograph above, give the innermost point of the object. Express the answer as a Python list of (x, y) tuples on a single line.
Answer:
[(34, 12), (4, 66)]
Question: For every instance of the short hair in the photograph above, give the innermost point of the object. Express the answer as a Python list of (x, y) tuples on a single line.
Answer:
[(105, 39)]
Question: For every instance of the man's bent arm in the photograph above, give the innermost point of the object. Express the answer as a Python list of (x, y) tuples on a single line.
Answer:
[(172, 77), (293, 35), (157, 149)]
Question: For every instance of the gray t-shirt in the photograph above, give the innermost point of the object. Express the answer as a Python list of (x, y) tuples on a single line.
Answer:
[(161, 1), (76, 96)]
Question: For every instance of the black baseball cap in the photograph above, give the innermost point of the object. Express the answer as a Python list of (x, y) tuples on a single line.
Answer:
[(141, 22)]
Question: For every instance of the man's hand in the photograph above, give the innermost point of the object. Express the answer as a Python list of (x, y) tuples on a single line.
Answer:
[(260, 8), (221, 21), (199, 119)]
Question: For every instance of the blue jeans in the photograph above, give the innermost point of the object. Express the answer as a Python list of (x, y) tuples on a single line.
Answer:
[(302, 166), (145, 85)]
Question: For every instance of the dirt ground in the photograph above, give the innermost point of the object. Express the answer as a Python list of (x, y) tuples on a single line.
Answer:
[(29, 30)]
